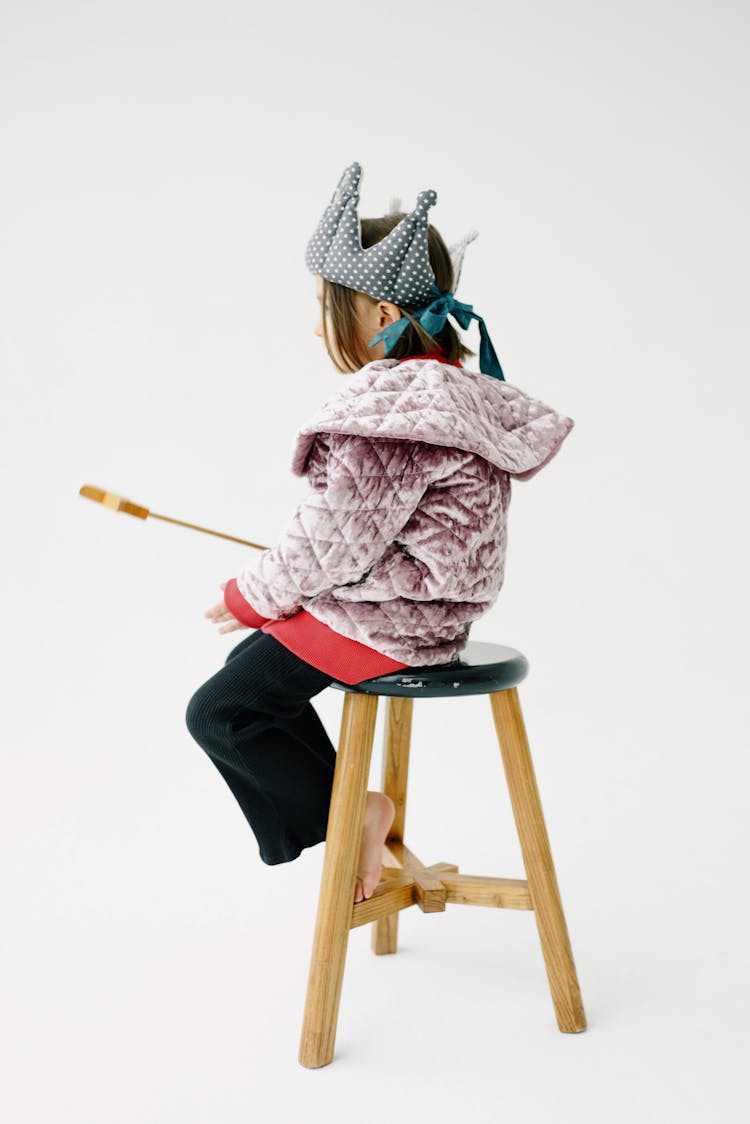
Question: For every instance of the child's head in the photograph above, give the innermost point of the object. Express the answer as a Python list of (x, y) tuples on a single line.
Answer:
[(349, 319)]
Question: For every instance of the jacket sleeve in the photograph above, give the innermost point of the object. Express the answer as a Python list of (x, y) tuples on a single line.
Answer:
[(370, 490)]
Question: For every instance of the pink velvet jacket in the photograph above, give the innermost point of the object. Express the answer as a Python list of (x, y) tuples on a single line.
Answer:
[(401, 542)]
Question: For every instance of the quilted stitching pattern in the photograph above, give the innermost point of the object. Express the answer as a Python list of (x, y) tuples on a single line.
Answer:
[(424, 400), (401, 542)]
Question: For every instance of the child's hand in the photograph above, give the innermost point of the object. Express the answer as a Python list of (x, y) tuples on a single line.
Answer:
[(220, 614)]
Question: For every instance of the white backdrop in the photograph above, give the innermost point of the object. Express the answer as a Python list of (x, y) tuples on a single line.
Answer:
[(163, 167)]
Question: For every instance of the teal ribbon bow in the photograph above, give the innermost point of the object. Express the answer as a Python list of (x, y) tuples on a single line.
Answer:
[(432, 317)]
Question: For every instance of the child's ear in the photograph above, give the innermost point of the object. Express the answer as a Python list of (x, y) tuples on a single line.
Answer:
[(389, 313)]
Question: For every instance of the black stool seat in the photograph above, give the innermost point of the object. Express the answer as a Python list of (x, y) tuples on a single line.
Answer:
[(480, 669)]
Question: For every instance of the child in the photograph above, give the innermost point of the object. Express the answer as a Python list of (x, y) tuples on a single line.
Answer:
[(400, 543)]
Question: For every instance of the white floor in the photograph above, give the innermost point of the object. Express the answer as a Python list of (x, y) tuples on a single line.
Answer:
[(154, 969)]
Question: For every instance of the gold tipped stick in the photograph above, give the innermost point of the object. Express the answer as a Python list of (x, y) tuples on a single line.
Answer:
[(117, 503)]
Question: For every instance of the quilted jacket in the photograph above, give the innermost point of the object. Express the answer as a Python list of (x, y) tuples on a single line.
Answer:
[(400, 544)]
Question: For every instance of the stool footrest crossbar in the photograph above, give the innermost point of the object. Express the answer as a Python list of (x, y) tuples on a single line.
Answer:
[(432, 886), (399, 889)]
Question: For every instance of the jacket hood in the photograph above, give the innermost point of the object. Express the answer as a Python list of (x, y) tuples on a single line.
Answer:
[(425, 400)]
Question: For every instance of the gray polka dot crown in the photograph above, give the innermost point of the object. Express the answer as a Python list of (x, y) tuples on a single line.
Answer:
[(396, 269)]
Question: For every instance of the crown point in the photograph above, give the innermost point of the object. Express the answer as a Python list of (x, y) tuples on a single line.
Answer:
[(348, 185)]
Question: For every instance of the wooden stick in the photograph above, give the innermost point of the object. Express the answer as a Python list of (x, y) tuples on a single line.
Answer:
[(117, 503)]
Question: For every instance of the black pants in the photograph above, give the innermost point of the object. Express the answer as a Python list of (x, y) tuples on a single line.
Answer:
[(256, 723)]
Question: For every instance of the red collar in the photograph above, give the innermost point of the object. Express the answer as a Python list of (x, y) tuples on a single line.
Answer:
[(433, 355)]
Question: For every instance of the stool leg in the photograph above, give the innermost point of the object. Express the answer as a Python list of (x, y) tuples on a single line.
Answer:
[(537, 858), (336, 899), (395, 776)]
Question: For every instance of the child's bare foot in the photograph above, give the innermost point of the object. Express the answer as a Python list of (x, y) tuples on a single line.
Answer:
[(379, 814)]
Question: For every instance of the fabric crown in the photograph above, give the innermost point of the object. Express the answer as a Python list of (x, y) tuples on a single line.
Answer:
[(395, 269)]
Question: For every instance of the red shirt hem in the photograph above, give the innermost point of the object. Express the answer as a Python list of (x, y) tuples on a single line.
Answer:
[(339, 656), (315, 642)]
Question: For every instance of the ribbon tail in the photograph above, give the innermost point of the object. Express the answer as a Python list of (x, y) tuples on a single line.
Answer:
[(489, 364)]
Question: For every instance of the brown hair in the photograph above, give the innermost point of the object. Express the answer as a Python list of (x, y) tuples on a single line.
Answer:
[(414, 340)]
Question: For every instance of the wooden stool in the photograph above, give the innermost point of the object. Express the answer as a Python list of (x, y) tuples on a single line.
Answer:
[(490, 669)]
